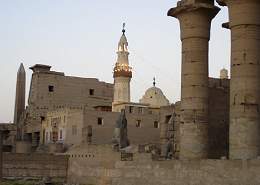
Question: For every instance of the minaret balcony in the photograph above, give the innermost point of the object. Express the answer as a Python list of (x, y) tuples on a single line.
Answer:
[(123, 71)]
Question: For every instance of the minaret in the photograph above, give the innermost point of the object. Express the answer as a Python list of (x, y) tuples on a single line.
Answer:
[(20, 94), (122, 72)]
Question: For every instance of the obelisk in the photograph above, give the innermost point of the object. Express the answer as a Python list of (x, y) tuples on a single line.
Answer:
[(19, 98)]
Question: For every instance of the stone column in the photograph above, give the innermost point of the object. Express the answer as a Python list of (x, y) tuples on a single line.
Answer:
[(195, 21), (244, 136)]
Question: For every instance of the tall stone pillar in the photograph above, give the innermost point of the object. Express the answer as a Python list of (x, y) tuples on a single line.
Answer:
[(19, 99), (244, 136), (195, 22)]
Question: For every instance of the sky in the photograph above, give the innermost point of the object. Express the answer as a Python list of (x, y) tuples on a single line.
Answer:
[(80, 37)]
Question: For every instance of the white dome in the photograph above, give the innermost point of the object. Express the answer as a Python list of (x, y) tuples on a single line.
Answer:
[(155, 98)]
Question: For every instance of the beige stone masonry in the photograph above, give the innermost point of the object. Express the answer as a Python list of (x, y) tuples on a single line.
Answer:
[(244, 24), (195, 22)]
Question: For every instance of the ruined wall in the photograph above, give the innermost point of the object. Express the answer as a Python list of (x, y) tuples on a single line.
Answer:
[(34, 166), (102, 166), (218, 127), (9, 132)]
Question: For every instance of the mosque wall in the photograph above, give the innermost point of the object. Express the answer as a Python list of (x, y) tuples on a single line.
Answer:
[(143, 127)]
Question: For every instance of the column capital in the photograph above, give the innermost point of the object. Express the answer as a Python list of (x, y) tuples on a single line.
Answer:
[(227, 2), (242, 12), (195, 18), (184, 7)]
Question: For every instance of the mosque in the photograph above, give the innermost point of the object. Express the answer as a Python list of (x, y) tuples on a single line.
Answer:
[(62, 109)]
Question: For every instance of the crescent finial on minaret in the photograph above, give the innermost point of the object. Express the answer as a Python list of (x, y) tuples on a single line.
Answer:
[(123, 28)]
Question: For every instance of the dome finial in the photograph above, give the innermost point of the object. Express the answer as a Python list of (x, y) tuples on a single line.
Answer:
[(123, 30), (154, 81)]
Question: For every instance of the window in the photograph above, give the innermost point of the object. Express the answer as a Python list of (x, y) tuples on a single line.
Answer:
[(138, 123), (60, 134), (156, 124), (100, 121), (131, 108), (51, 88), (47, 136), (140, 110), (74, 130), (91, 92), (54, 136), (167, 118)]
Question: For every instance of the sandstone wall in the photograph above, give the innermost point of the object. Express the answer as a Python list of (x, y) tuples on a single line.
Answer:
[(218, 118), (51, 90), (34, 166), (218, 127), (96, 168)]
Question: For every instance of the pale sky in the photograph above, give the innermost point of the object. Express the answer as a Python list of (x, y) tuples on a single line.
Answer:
[(79, 37)]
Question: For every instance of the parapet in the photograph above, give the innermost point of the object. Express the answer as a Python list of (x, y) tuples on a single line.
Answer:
[(40, 68)]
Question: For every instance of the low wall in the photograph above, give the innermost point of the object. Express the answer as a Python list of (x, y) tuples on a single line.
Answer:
[(142, 170), (35, 166)]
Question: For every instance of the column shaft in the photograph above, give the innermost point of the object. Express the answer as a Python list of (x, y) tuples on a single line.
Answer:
[(194, 99), (244, 137), (195, 22)]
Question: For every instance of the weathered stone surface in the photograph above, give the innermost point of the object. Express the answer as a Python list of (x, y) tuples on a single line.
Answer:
[(52, 90), (244, 137), (34, 166), (178, 172), (19, 100), (195, 22)]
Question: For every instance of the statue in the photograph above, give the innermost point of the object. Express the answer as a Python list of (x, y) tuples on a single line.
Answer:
[(167, 149), (120, 139), (89, 134)]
